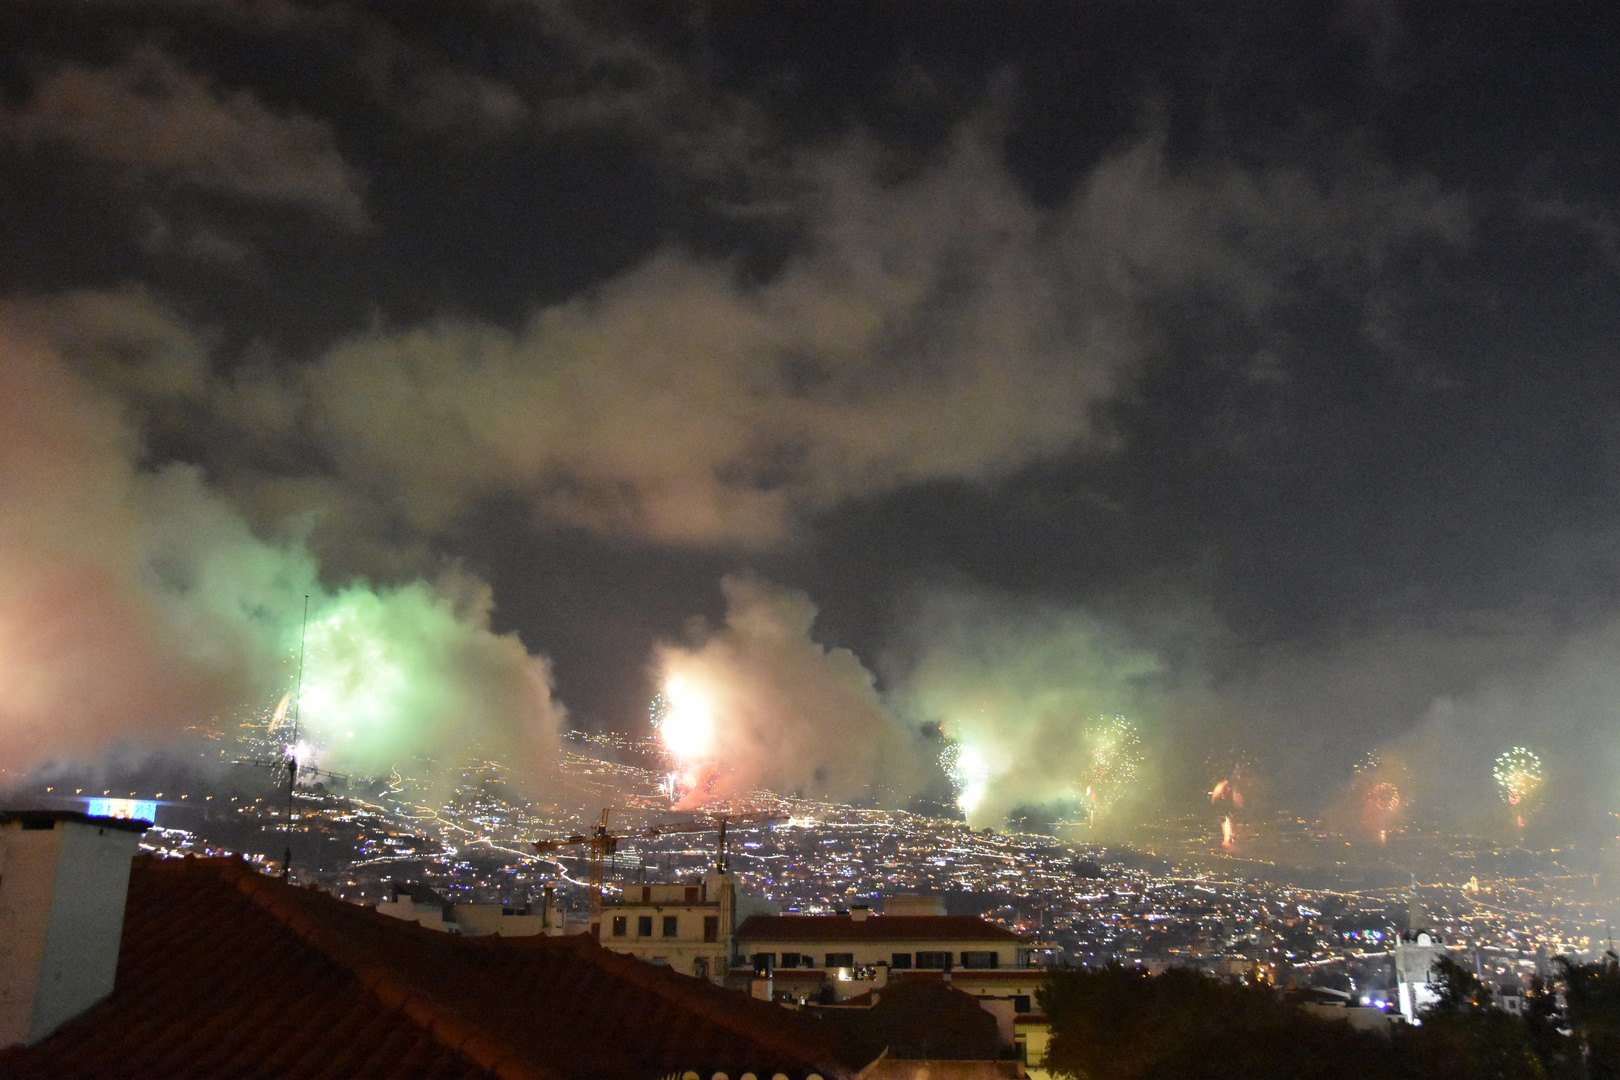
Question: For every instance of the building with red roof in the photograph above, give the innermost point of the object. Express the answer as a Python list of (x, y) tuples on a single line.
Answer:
[(223, 971)]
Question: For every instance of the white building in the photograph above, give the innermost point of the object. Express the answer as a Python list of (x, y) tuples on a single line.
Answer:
[(1416, 950), (841, 956), (63, 880), (688, 926)]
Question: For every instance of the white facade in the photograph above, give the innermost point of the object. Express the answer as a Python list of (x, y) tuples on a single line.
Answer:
[(1415, 954), (64, 878), (805, 957), (934, 948), (686, 926)]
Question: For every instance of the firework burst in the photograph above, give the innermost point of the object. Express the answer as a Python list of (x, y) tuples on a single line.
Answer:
[(1229, 778), (1379, 795), (1115, 762), (968, 772), (1518, 776)]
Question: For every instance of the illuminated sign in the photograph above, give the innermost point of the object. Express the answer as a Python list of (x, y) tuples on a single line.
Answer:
[(134, 809)]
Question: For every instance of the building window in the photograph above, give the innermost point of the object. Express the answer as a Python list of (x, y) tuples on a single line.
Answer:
[(934, 961), (700, 967), (671, 922), (987, 959), (644, 926), (619, 922), (1020, 1003), (791, 959), (900, 961), (764, 964), (840, 959), (711, 928), (691, 894)]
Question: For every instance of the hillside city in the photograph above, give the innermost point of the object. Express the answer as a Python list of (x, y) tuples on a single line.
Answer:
[(1177, 900)]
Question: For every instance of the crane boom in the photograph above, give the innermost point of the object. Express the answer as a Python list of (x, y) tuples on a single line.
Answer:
[(602, 843)]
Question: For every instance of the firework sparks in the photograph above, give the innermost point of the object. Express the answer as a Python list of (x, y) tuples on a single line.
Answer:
[(1519, 779), (969, 774), (683, 718), (1116, 761)]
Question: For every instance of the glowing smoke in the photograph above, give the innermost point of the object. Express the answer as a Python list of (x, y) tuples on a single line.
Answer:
[(1020, 690), (137, 604), (684, 720), (1116, 763), (968, 773), (403, 672), (763, 705)]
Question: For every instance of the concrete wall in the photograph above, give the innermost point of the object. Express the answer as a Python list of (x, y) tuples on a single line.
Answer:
[(686, 952), (477, 920), (63, 882)]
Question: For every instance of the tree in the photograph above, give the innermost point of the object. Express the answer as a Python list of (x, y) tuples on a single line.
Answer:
[(1592, 996), (1488, 1039), (1558, 1053), (1120, 1024), (1459, 990)]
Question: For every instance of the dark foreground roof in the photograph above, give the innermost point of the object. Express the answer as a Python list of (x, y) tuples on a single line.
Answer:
[(225, 972), (919, 928), (919, 1019)]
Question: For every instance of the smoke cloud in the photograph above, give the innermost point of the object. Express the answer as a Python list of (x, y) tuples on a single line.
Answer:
[(787, 713), (161, 124), (1031, 694), (136, 604), (940, 326)]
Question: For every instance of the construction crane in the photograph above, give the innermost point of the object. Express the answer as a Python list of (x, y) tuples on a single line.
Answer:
[(602, 844)]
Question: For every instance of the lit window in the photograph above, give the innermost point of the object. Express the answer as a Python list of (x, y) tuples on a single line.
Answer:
[(619, 922)]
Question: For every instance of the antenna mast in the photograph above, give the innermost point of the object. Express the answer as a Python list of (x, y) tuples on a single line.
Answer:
[(292, 751)]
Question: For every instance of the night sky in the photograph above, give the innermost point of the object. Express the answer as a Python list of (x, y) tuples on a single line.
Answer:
[(1248, 370)]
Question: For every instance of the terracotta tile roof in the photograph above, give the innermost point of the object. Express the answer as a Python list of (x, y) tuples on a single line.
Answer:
[(921, 928), (225, 972)]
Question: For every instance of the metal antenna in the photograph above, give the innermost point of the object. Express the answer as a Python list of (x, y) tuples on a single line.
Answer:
[(292, 754)]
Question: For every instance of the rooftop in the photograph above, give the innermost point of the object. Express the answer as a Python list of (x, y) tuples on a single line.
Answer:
[(45, 819), (923, 928), (225, 972)]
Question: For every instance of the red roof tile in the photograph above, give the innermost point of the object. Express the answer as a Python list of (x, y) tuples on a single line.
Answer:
[(225, 972), (923, 928)]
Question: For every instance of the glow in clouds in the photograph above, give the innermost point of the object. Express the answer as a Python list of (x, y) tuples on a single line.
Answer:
[(398, 673), (687, 726)]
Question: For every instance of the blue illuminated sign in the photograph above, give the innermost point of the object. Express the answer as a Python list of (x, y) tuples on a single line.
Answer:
[(134, 809)]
